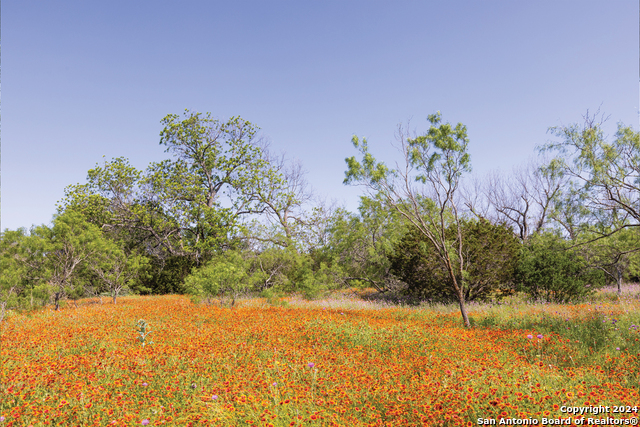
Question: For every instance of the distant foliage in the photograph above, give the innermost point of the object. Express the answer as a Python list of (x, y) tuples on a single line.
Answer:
[(548, 270), (360, 244), (166, 276), (223, 217)]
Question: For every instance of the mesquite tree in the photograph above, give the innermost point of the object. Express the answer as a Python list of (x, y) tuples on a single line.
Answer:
[(606, 173), (423, 190), (65, 247)]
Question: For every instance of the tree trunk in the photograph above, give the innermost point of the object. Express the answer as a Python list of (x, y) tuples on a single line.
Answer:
[(463, 309), (619, 279), (115, 295), (459, 292)]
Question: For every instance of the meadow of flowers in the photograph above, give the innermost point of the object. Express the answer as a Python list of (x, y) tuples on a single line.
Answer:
[(344, 363)]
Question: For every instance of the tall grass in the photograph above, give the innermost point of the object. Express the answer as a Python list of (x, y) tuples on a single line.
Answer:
[(590, 332)]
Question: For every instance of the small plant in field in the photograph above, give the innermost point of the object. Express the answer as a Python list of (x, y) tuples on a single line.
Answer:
[(537, 349), (143, 332), (314, 372), (274, 299)]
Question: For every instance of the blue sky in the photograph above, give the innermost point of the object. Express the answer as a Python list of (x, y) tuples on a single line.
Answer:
[(85, 79)]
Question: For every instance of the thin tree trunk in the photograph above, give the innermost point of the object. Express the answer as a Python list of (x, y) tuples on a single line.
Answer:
[(463, 310), (459, 293), (619, 279)]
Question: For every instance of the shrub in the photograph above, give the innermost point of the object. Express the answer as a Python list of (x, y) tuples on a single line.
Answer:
[(224, 277), (287, 271), (491, 254), (274, 298), (549, 270)]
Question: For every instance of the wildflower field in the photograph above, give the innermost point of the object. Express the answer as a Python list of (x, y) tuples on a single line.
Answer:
[(346, 362)]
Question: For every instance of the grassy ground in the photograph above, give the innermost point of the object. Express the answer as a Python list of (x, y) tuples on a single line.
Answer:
[(343, 360)]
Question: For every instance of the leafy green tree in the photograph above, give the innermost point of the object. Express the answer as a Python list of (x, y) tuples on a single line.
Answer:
[(550, 270), (606, 172), (361, 243), (278, 270), (416, 264), (491, 252), (571, 213), (323, 277), (189, 206), (213, 162), (30, 252), (424, 191), (117, 198), (272, 267), (224, 277), (65, 246), (181, 212), (9, 283), (598, 208), (165, 275), (115, 269), (616, 255), (12, 270)]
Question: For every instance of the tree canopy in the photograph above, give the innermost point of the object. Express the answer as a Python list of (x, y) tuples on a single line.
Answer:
[(223, 215)]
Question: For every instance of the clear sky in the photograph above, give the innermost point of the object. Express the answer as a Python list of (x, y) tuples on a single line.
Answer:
[(83, 79)]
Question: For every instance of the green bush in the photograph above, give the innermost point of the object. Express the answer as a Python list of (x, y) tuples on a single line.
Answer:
[(271, 273), (491, 255), (549, 270), (316, 284), (287, 271), (224, 277), (274, 298), (38, 296)]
